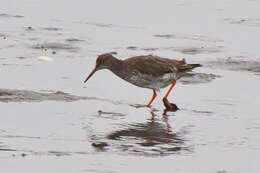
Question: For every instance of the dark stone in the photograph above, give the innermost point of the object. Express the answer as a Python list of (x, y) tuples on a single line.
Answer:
[(169, 106)]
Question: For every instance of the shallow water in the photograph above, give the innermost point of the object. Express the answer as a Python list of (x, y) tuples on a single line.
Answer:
[(51, 122)]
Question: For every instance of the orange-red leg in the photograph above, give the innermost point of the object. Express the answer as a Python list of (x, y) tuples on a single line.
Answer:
[(169, 90), (153, 97)]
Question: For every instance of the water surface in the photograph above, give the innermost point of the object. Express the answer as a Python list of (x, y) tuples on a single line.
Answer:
[(51, 122)]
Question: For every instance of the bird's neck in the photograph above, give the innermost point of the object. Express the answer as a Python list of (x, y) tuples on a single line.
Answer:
[(115, 65)]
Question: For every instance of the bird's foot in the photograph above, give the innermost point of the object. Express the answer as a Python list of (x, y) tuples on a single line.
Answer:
[(169, 106)]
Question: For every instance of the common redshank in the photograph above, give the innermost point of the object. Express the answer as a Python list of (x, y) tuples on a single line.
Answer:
[(147, 71)]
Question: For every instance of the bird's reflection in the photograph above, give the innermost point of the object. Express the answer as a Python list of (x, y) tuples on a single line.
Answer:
[(165, 120), (154, 136)]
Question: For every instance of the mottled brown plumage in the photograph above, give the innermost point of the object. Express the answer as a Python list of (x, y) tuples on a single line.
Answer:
[(146, 71)]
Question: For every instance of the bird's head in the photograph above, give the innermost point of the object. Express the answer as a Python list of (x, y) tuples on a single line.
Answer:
[(103, 61)]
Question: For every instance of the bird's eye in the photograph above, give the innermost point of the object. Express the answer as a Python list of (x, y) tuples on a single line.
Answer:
[(98, 61), (102, 61)]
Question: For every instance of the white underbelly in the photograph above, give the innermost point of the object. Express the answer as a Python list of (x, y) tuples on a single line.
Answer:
[(149, 81)]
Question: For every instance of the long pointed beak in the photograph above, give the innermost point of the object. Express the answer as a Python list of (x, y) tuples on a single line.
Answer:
[(93, 71)]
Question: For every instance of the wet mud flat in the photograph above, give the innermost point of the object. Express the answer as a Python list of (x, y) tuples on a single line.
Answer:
[(7, 95), (51, 122), (235, 64)]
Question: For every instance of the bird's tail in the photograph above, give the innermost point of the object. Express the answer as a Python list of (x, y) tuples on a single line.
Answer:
[(188, 67)]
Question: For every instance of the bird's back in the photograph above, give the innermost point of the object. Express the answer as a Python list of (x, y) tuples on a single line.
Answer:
[(157, 66)]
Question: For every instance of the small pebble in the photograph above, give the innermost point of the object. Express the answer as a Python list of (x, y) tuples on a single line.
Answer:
[(44, 58), (20, 57), (138, 105), (99, 145)]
